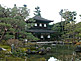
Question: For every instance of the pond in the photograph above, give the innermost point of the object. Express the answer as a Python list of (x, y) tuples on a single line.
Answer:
[(59, 52)]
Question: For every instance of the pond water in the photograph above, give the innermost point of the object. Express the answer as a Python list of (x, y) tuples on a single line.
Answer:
[(59, 53), (64, 53)]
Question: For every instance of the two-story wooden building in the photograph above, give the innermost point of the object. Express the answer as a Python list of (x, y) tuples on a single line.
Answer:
[(41, 29)]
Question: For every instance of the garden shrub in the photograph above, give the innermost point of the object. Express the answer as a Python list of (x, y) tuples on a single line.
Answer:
[(9, 49), (16, 42), (42, 59), (23, 49), (29, 59), (6, 47), (27, 47), (2, 54), (32, 48), (31, 44), (14, 59), (3, 42)]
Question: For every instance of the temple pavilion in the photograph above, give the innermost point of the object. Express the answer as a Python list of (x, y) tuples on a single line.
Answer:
[(41, 27)]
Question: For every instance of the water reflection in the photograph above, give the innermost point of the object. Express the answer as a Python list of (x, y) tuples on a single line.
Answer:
[(63, 53), (73, 57), (53, 59)]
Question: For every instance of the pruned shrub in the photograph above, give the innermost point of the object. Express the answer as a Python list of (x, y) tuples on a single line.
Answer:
[(16, 42)]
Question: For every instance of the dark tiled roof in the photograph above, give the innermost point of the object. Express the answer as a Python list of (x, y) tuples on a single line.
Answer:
[(41, 31), (41, 19)]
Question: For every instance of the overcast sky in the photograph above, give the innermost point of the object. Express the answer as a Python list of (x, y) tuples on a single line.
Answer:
[(49, 8)]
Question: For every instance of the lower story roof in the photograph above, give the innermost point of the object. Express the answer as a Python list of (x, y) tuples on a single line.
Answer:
[(40, 31)]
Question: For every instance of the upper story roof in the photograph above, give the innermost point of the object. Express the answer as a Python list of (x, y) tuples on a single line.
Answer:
[(39, 18)]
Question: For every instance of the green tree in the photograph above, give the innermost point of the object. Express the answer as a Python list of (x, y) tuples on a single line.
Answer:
[(3, 29), (19, 12), (69, 17), (70, 31), (58, 29), (2, 11), (78, 31), (14, 17), (37, 12)]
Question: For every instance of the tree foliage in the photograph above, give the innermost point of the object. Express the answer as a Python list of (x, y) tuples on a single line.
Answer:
[(68, 15), (59, 29), (37, 12), (16, 42), (12, 23), (66, 29)]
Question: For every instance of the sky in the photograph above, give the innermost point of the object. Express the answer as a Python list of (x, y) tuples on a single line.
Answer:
[(49, 8)]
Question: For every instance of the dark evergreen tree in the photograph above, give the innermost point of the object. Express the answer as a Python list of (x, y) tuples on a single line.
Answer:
[(37, 12)]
